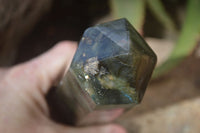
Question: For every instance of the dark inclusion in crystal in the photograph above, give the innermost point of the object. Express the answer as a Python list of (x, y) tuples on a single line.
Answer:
[(112, 66)]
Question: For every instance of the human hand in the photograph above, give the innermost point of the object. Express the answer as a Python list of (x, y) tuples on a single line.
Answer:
[(23, 108)]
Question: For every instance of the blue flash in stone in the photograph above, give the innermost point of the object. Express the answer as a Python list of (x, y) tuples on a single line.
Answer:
[(117, 63), (110, 69)]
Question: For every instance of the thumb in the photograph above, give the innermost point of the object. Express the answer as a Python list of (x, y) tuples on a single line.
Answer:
[(49, 66), (41, 72)]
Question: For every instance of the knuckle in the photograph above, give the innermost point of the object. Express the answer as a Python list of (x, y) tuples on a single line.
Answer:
[(21, 74), (14, 73)]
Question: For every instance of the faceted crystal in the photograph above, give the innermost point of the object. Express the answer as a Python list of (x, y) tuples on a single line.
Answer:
[(111, 69)]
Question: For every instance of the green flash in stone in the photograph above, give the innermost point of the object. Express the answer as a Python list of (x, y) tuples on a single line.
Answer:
[(110, 69)]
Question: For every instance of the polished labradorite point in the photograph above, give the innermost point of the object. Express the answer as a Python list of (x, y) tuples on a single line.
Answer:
[(110, 69)]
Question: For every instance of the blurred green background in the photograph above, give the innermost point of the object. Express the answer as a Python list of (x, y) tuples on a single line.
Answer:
[(181, 21), (174, 21)]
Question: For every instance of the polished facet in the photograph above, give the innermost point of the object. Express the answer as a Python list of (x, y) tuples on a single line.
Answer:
[(111, 69)]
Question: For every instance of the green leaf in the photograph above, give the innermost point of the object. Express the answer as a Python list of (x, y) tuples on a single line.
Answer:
[(133, 10), (160, 13), (187, 40)]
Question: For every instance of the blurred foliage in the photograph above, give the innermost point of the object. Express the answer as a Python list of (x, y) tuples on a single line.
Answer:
[(187, 39), (134, 11), (161, 14)]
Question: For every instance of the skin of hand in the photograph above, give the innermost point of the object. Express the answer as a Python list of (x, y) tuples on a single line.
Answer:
[(23, 87)]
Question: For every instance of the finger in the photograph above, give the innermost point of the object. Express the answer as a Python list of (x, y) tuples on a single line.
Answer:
[(101, 116), (53, 63), (41, 72), (30, 81), (111, 128)]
